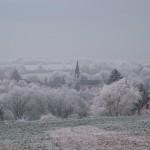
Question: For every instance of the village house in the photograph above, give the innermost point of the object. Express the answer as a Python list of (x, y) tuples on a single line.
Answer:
[(145, 110)]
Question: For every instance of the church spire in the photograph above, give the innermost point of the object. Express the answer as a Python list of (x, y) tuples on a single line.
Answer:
[(77, 72), (77, 69)]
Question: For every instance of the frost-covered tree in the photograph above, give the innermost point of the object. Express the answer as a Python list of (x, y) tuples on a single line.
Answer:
[(17, 102), (31, 101), (116, 99), (115, 76), (64, 102), (145, 72), (82, 108), (23, 102), (33, 79), (57, 82)]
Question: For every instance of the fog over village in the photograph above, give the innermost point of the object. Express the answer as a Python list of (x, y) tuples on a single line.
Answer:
[(74, 75)]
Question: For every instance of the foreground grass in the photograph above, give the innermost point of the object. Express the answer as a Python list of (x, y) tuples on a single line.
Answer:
[(34, 135)]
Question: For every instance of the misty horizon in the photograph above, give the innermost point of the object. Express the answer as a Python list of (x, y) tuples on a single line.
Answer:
[(106, 30)]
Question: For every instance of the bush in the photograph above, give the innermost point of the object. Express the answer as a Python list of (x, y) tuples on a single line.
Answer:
[(8, 115), (48, 117)]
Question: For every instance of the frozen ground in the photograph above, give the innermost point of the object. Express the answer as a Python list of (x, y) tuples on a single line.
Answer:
[(93, 138), (105, 133)]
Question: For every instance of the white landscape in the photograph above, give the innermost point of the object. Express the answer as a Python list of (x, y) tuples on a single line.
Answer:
[(74, 74), (36, 114), (103, 133)]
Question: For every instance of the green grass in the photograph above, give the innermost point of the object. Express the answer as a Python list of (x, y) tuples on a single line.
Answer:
[(32, 135)]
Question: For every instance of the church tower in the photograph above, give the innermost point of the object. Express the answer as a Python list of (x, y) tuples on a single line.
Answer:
[(77, 73)]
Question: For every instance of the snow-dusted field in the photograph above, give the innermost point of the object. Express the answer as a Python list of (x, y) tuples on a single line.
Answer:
[(93, 138), (105, 133)]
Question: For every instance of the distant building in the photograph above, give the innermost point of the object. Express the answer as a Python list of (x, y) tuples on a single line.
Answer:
[(145, 110), (77, 73), (80, 83)]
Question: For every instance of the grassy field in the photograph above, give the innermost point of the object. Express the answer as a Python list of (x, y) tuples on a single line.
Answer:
[(104, 133)]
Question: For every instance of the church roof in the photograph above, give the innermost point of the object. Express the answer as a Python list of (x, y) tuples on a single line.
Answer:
[(89, 82), (77, 69)]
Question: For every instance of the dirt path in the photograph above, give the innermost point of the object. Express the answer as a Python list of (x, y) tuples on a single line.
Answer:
[(93, 138)]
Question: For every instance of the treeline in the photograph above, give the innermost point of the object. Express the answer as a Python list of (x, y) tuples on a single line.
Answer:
[(124, 92), (20, 100)]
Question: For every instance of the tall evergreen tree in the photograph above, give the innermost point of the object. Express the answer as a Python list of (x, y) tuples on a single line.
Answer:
[(15, 75), (115, 76), (144, 97)]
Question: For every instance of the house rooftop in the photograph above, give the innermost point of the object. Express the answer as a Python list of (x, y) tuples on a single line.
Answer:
[(89, 82)]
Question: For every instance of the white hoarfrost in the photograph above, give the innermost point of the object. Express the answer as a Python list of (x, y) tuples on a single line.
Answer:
[(116, 99), (93, 138)]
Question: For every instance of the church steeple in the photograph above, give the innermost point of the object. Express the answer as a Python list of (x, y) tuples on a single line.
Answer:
[(77, 72), (77, 69)]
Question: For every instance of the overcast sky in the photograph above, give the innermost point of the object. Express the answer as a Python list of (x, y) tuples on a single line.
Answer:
[(100, 29)]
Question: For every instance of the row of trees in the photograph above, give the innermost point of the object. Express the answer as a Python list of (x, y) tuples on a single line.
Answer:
[(91, 69), (96, 70), (21, 100), (121, 95)]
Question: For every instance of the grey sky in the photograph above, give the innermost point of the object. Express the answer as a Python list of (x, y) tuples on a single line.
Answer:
[(101, 29)]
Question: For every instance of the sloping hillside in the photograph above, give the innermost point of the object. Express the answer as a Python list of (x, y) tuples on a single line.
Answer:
[(111, 133)]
